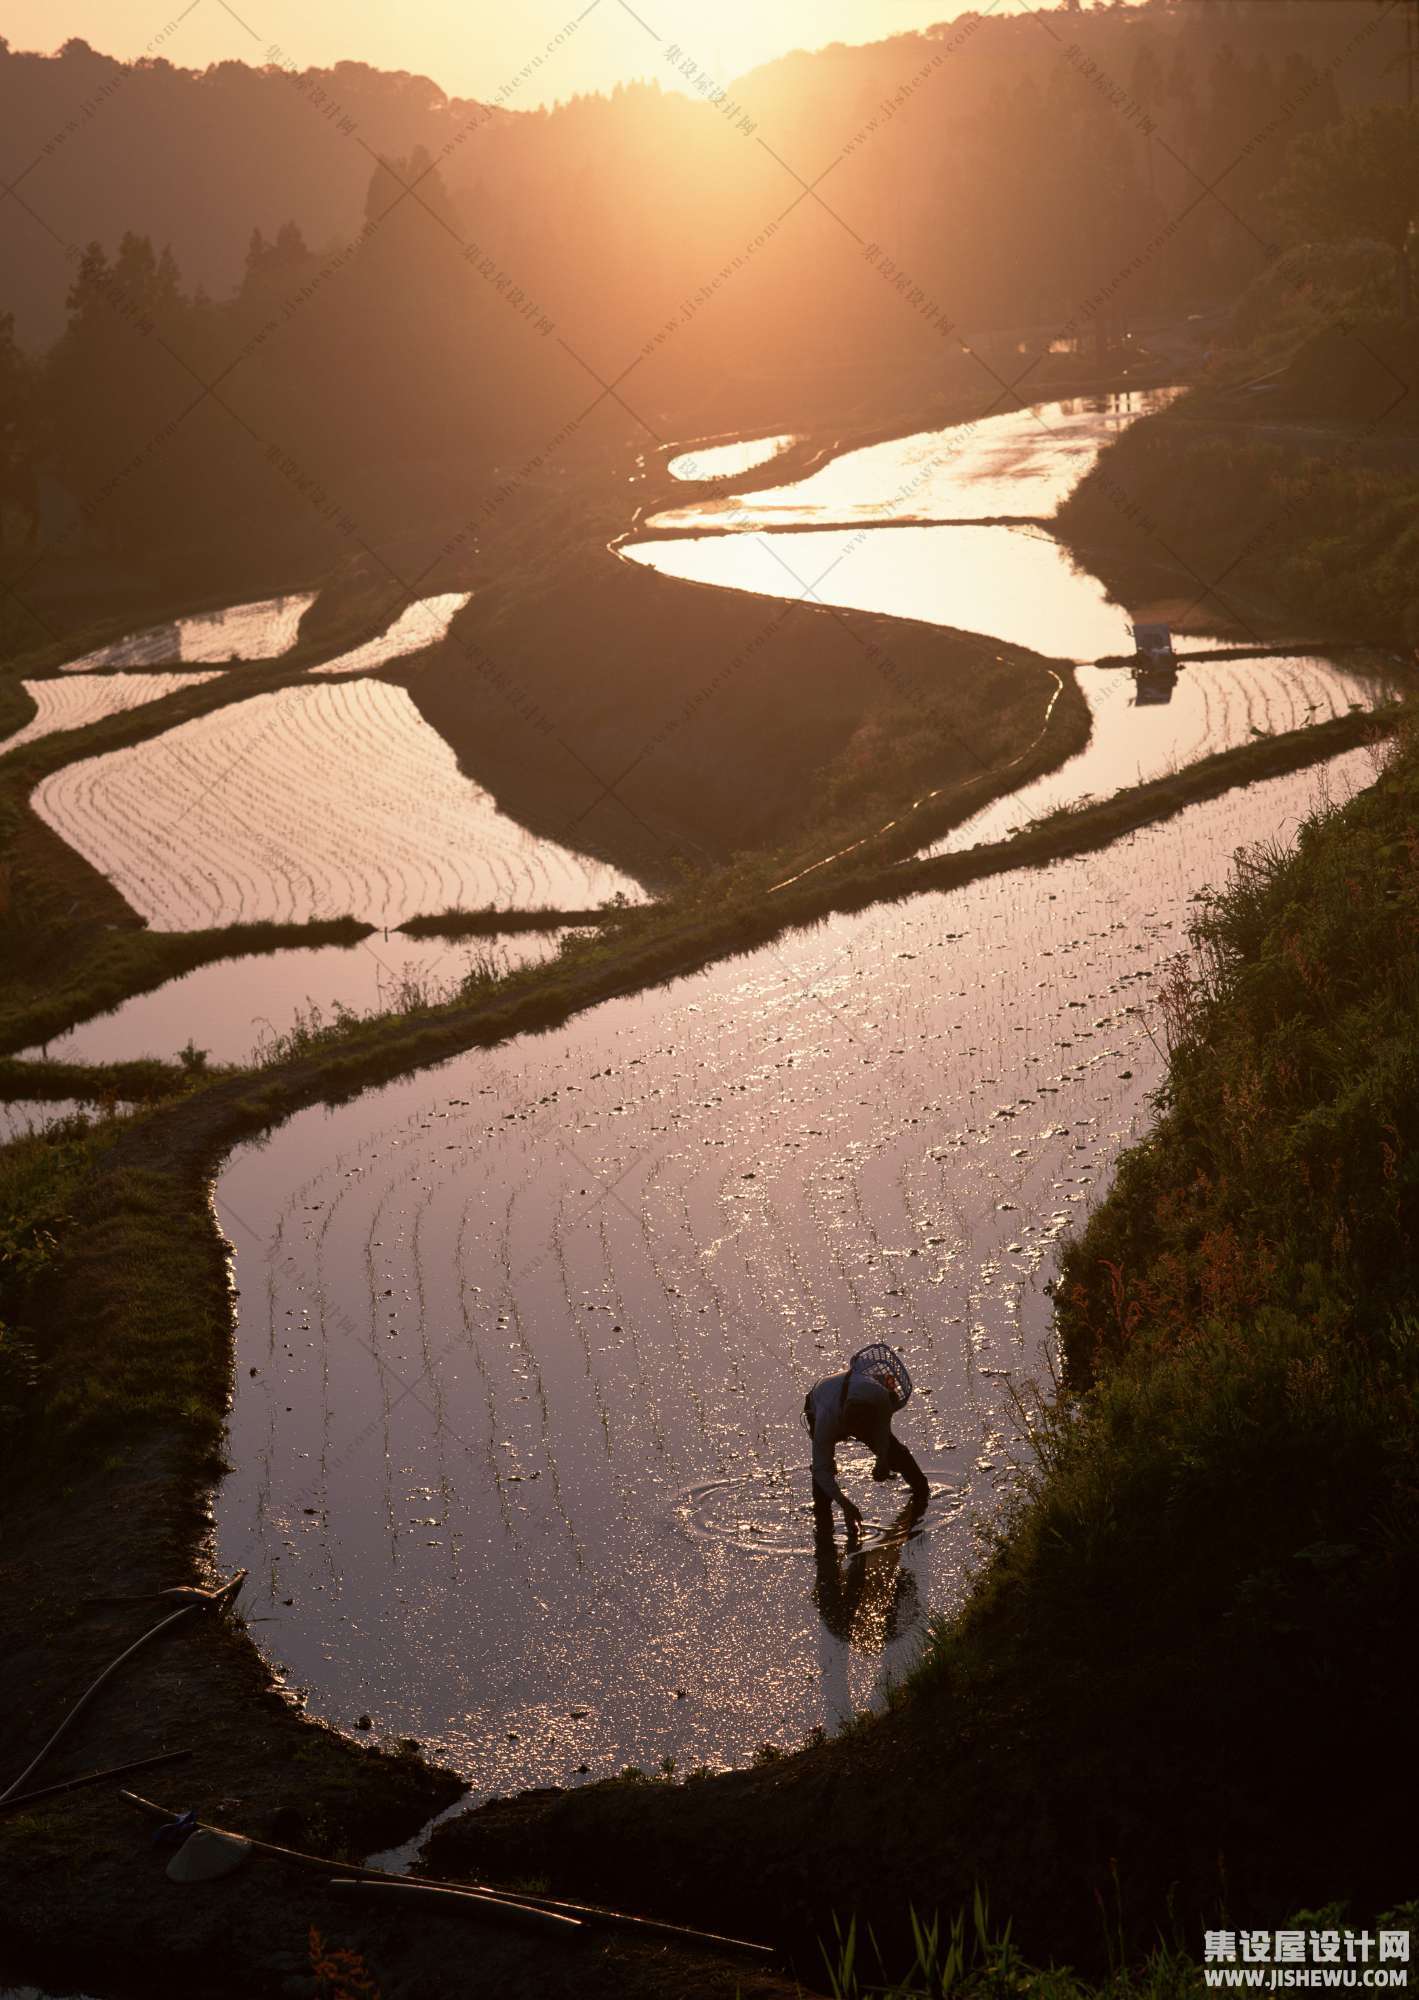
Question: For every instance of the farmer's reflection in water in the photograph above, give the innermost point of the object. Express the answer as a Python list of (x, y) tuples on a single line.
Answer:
[(865, 1598), (864, 1595)]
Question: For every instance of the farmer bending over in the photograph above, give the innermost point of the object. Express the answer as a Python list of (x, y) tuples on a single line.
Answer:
[(860, 1403)]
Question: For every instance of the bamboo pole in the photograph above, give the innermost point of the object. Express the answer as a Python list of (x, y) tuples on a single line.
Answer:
[(92, 1778), (549, 1906), (508, 1906), (478, 1902)]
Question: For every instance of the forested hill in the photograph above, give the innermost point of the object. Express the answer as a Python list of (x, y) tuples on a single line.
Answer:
[(774, 248), (985, 110)]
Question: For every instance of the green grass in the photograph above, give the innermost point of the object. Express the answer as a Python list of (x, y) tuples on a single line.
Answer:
[(971, 1959)]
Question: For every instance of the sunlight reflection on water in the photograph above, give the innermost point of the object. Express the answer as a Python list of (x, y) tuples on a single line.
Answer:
[(496, 1320)]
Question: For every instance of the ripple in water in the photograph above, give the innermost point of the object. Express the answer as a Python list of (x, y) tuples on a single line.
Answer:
[(765, 1511), (73, 704)]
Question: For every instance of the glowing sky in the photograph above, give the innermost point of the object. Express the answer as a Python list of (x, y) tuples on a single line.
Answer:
[(473, 48)]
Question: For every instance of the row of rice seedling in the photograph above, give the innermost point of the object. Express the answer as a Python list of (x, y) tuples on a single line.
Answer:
[(532, 1330), (1215, 705), (421, 624), (307, 802), (75, 702)]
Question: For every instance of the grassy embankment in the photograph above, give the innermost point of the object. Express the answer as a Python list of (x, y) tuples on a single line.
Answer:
[(717, 913)]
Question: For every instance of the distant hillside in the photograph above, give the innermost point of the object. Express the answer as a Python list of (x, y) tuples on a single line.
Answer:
[(195, 160), (286, 312), (985, 156)]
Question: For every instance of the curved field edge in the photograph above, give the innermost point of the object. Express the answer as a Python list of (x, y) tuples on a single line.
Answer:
[(1321, 521), (72, 946), (115, 1294), (718, 913)]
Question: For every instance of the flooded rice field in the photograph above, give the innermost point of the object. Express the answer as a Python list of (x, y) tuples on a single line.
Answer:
[(261, 631), (323, 801), (236, 1007), (423, 623), (1022, 462), (1216, 705), (523, 1341), (73, 704), (1013, 584), (726, 461)]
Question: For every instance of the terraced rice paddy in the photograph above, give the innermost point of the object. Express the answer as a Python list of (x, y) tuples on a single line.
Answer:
[(1216, 705), (523, 1340), (260, 631), (1022, 462), (74, 703), (424, 623), (320, 801), (237, 1006), (1012, 584)]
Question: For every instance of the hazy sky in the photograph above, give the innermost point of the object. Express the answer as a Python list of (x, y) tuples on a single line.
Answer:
[(472, 47)]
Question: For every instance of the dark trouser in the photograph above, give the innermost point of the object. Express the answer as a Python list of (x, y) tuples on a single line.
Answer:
[(900, 1461)]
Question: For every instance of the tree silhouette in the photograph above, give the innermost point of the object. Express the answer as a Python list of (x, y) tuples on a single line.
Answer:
[(1359, 177)]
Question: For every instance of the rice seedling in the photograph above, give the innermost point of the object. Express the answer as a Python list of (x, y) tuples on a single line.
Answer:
[(617, 1252), (303, 803), (74, 703)]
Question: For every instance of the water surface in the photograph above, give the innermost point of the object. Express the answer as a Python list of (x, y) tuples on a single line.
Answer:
[(725, 461), (234, 1008), (260, 631), (22, 1115), (1020, 462), (423, 623), (1216, 705), (523, 1341), (86, 698), (1017, 585), (330, 800)]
